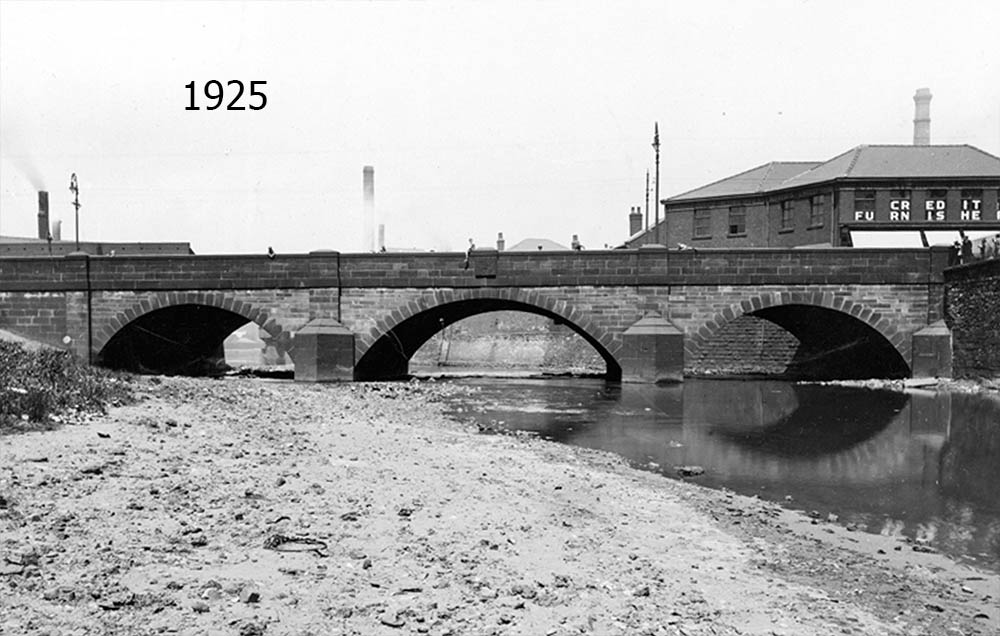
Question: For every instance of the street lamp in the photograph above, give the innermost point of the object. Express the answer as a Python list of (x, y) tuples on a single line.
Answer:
[(656, 196), (75, 189)]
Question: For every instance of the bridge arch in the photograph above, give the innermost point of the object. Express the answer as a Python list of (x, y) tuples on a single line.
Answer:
[(807, 315), (171, 318), (385, 349)]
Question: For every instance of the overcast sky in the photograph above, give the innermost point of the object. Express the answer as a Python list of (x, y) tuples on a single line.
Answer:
[(531, 119)]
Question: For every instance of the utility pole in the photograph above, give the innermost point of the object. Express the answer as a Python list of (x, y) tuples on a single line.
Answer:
[(75, 189), (656, 147), (647, 198)]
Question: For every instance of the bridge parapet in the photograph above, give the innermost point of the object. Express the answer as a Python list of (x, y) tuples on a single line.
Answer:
[(651, 267), (520, 269), (43, 274), (152, 272)]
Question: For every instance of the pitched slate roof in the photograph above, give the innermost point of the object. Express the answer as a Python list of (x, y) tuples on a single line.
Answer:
[(861, 162), (894, 162), (756, 180)]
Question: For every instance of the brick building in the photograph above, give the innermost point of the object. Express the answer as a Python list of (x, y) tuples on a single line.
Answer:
[(884, 188)]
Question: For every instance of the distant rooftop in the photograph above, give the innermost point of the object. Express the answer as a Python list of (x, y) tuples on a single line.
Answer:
[(536, 244), (21, 239), (861, 162)]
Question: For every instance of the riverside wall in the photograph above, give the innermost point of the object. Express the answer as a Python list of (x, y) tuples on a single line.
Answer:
[(972, 312)]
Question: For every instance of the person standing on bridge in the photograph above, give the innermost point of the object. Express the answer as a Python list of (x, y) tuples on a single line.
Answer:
[(468, 253), (966, 250)]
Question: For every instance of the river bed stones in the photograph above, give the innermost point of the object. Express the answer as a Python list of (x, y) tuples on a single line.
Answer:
[(426, 527)]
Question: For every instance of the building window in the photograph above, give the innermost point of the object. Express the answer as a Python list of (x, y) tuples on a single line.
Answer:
[(702, 223), (864, 205), (817, 209), (972, 205), (864, 201), (737, 220), (787, 216)]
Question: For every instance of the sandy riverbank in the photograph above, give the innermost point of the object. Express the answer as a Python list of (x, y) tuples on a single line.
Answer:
[(154, 520)]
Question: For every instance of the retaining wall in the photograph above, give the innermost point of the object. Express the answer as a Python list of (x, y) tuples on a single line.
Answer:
[(972, 312)]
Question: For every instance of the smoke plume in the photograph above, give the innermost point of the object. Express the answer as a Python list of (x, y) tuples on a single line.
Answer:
[(15, 151)]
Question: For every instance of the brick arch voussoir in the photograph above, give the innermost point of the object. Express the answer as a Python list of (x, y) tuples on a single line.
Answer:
[(389, 321), (707, 330), (163, 300)]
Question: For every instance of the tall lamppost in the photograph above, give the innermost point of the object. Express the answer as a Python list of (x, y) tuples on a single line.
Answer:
[(656, 198), (647, 198), (75, 189)]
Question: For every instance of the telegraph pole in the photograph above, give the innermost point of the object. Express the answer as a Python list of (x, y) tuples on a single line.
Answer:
[(75, 189), (656, 147), (647, 198)]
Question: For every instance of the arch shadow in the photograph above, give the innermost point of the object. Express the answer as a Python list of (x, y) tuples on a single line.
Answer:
[(839, 339), (178, 334), (385, 352)]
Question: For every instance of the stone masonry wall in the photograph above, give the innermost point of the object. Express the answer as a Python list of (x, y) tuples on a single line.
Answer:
[(972, 312), (509, 340), (602, 292), (701, 311), (746, 346), (40, 316)]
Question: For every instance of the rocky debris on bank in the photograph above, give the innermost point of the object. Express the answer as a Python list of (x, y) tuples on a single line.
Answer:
[(982, 385), (170, 517)]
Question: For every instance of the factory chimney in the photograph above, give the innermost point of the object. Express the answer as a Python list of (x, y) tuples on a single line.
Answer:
[(922, 117), (43, 214), (369, 208)]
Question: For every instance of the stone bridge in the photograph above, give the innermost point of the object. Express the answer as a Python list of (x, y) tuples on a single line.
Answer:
[(362, 316)]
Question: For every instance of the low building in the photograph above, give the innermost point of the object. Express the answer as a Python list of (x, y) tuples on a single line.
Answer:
[(27, 246), (878, 188)]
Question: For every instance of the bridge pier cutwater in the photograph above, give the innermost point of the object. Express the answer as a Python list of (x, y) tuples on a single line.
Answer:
[(652, 314)]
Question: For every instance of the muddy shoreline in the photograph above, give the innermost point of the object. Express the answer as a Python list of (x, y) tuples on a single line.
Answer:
[(195, 511)]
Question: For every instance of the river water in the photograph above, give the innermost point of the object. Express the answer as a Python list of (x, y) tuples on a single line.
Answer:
[(922, 464)]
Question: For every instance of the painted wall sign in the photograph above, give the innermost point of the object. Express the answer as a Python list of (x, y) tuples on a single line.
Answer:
[(936, 206), (935, 210), (899, 210), (972, 210)]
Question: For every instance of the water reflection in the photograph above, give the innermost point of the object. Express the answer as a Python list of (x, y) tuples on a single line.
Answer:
[(921, 464)]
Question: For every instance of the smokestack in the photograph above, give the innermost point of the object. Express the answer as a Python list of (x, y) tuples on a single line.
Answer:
[(634, 222), (43, 214), (922, 117), (369, 209), (500, 242), (57, 230)]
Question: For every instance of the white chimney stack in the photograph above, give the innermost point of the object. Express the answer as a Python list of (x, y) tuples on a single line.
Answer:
[(922, 117), (369, 208)]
